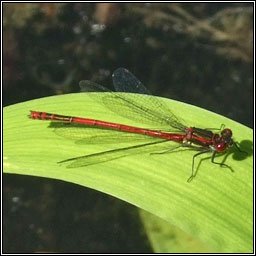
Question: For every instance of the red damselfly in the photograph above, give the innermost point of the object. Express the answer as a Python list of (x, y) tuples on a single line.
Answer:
[(203, 140)]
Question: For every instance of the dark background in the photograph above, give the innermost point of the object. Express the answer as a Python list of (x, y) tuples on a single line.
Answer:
[(198, 53)]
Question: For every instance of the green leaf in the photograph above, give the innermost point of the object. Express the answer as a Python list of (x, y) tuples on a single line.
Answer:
[(215, 208)]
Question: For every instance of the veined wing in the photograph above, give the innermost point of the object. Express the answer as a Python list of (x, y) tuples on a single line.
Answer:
[(139, 107)]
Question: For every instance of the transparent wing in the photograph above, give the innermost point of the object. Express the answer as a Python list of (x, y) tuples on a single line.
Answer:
[(90, 86), (125, 81), (139, 107), (110, 155)]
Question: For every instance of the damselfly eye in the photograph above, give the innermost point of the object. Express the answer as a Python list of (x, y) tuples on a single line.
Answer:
[(226, 133), (221, 146)]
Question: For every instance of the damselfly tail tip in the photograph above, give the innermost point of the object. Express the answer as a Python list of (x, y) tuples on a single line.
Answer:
[(30, 113)]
